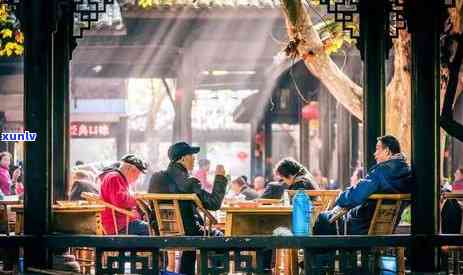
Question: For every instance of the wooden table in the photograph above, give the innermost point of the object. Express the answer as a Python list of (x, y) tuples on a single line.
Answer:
[(262, 220), (69, 219), (259, 220), (256, 221), (4, 215)]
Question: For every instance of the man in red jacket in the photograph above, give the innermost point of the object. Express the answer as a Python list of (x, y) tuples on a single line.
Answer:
[(115, 189)]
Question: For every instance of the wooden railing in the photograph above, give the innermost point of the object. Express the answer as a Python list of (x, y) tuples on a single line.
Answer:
[(129, 249)]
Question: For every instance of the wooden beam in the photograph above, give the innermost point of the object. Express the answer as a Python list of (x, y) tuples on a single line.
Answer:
[(205, 13)]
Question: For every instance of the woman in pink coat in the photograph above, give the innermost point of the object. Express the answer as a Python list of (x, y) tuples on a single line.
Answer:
[(5, 179)]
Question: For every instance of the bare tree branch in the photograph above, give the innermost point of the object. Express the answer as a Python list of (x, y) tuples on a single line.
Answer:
[(169, 93)]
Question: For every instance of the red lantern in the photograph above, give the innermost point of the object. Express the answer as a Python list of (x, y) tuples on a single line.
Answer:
[(259, 138), (310, 111), (242, 156), (178, 94)]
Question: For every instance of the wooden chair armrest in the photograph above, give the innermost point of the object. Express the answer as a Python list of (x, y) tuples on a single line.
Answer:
[(208, 214), (96, 198), (390, 197)]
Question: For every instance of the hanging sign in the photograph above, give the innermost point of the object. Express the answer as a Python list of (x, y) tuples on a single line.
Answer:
[(91, 130)]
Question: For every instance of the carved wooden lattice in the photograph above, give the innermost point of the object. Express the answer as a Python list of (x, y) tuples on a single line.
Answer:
[(249, 261), (344, 12), (87, 12), (110, 261), (396, 17)]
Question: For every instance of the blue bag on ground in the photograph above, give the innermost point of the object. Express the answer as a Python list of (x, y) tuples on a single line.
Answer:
[(165, 272), (301, 216), (388, 265)]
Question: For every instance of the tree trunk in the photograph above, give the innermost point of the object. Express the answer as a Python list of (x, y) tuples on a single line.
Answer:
[(398, 94)]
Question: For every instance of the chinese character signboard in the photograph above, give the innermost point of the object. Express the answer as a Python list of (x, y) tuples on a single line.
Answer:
[(92, 130)]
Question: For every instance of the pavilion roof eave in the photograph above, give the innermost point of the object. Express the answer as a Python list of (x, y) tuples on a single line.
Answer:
[(168, 12)]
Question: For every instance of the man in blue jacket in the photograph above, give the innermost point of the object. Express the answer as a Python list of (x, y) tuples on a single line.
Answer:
[(390, 175)]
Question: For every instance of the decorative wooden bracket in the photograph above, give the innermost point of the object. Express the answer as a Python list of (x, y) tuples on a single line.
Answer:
[(87, 12)]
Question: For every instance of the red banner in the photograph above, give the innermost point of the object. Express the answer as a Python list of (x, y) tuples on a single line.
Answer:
[(91, 130)]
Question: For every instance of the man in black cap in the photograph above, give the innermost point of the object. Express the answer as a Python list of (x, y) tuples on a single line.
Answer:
[(177, 179), (115, 189)]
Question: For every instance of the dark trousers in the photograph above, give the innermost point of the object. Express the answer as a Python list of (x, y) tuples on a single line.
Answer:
[(138, 228), (324, 227), (451, 217), (188, 261)]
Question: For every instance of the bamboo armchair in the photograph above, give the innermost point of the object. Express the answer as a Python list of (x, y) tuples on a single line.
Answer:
[(94, 198), (86, 256), (164, 214), (385, 218)]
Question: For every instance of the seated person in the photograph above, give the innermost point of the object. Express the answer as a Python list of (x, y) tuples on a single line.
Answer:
[(241, 189), (457, 185), (17, 187), (259, 185), (391, 175), (115, 189), (293, 176), (177, 179), (81, 182)]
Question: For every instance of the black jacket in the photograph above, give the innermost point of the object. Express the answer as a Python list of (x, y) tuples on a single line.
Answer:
[(177, 180), (275, 190)]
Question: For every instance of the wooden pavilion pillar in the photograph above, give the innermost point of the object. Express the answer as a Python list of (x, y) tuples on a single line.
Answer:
[(184, 95), (304, 138), (327, 107), (423, 23), (38, 73), (252, 150), (267, 158), (373, 35), (122, 140), (61, 57), (343, 145)]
